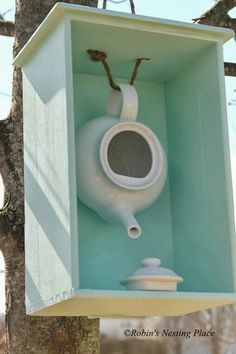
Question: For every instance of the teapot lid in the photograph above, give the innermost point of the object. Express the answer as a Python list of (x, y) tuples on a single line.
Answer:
[(151, 270)]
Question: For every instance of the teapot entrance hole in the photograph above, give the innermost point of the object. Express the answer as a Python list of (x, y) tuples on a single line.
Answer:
[(129, 154)]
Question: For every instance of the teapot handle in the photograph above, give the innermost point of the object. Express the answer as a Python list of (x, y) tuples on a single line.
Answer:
[(123, 103)]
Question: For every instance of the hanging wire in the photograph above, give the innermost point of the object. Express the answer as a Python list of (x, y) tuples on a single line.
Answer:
[(117, 1), (132, 6)]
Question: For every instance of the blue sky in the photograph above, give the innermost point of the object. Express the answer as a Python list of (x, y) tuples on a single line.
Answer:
[(182, 10)]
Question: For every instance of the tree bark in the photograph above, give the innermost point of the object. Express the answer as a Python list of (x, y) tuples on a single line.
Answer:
[(27, 334), (217, 15)]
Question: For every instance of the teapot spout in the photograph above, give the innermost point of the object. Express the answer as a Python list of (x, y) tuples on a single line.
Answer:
[(126, 217)]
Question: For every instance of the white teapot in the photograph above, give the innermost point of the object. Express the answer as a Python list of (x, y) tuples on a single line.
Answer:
[(121, 165)]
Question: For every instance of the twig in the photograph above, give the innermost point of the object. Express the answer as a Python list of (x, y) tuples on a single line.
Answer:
[(135, 72), (96, 56)]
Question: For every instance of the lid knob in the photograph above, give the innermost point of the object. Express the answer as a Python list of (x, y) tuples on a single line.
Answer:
[(151, 262)]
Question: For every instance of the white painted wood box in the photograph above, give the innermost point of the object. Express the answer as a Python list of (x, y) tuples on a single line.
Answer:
[(74, 259)]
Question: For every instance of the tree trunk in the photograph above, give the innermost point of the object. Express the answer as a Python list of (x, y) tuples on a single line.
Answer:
[(27, 334)]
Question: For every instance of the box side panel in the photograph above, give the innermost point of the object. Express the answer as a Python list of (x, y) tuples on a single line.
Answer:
[(198, 182), (228, 161), (107, 254), (48, 221)]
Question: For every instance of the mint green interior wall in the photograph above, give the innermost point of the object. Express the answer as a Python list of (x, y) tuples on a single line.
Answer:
[(106, 253), (180, 100), (199, 207)]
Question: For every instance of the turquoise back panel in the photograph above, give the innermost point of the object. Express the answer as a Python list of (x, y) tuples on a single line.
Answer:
[(199, 206), (106, 253), (189, 225)]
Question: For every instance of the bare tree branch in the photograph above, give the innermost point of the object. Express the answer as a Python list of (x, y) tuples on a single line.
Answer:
[(218, 16), (226, 5), (7, 28), (223, 20), (230, 69), (214, 15)]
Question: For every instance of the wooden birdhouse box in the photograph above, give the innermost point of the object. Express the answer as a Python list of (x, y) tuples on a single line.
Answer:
[(75, 257)]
